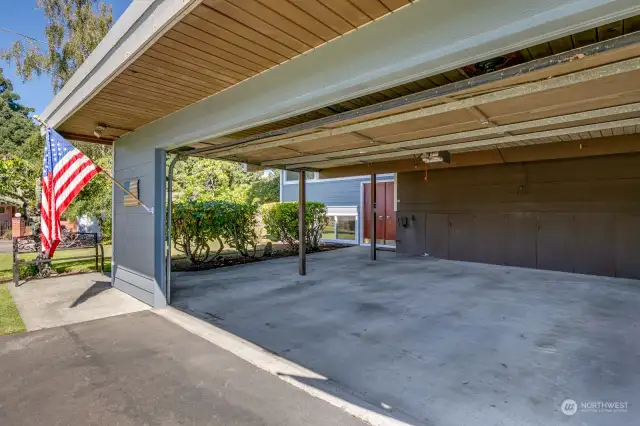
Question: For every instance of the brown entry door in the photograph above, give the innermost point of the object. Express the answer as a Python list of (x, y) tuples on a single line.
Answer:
[(385, 214), (390, 215)]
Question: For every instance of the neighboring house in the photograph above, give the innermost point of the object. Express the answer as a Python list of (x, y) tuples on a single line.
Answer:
[(6, 213), (348, 208), (87, 224)]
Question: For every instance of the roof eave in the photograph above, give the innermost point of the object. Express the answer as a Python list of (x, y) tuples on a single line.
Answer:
[(141, 24)]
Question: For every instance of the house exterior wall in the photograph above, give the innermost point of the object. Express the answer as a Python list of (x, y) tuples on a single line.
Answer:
[(138, 236), (342, 196), (9, 211), (331, 192), (578, 215)]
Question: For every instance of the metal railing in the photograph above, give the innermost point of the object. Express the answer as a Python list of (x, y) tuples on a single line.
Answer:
[(69, 241)]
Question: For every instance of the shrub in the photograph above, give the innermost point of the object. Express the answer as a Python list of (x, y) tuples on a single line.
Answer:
[(239, 226), (196, 224), (27, 271), (281, 221)]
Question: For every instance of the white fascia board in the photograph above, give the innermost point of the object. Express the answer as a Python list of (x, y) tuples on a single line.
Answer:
[(140, 24), (342, 210), (422, 39)]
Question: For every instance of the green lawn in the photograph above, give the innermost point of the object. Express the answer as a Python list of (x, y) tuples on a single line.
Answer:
[(61, 262), (10, 321)]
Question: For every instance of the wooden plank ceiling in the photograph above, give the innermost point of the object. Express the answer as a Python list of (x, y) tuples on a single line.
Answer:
[(219, 44)]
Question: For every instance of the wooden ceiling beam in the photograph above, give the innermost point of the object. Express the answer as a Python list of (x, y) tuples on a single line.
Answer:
[(464, 145), (510, 93), (547, 151), (434, 140), (86, 138), (617, 49)]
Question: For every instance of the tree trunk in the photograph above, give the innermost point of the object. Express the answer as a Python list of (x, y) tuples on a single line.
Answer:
[(25, 211)]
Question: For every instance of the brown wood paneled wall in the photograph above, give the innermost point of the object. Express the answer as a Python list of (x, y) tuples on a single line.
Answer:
[(577, 215)]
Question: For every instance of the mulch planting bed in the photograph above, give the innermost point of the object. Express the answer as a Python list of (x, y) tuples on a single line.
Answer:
[(279, 250)]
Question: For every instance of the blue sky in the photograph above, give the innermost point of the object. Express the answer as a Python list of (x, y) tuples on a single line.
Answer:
[(23, 17)]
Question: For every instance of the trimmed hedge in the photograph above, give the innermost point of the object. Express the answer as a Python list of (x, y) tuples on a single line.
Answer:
[(195, 224), (281, 221)]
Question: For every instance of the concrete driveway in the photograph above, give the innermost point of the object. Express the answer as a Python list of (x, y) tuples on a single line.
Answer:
[(140, 369), (446, 343), (68, 299)]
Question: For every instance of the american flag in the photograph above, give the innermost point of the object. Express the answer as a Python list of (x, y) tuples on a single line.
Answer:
[(65, 172)]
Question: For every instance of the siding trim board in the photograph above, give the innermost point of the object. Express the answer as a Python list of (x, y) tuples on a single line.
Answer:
[(320, 180), (579, 215), (134, 284)]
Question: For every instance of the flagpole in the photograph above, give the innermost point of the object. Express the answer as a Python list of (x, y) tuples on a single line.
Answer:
[(148, 209), (121, 186)]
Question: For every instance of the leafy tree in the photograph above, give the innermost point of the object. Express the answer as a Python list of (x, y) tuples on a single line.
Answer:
[(94, 200), (32, 149), (15, 125), (20, 151), (208, 180), (18, 180), (74, 29), (267, 188)]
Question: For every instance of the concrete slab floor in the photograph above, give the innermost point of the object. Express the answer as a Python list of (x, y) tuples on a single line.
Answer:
[(448, 343), (69, 299), (140, 369)]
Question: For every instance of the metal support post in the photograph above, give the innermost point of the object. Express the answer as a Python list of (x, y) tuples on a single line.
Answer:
[(373, 216), (168, 227), (302, 237)]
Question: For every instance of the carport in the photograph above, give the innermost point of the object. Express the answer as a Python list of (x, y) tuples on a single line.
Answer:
[(479, 102), (534, 165)]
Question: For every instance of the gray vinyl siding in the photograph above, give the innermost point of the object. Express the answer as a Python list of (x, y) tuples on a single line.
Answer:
[(137, 265), (341, 192)]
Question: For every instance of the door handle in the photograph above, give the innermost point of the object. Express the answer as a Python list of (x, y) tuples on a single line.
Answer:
[(381, 217), (388, 217)]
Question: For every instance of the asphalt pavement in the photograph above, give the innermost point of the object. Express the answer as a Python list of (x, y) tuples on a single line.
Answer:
[(140, 369), (5, 246)]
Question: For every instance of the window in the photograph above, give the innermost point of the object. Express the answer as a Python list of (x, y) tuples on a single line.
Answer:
[(346, 227), (291, 176), (329, 231), (2, 209), (343, 224)]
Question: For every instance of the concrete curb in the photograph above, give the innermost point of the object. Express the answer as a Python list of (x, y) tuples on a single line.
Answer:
[(287, 371)]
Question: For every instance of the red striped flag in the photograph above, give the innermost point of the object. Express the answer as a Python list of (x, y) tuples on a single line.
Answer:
[(65, 172)]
